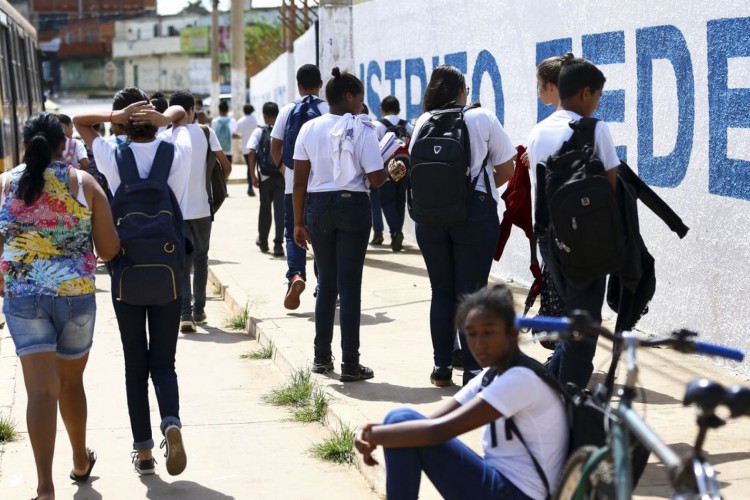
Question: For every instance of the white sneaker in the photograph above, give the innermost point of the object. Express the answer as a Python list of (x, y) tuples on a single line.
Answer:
[(187, 325)]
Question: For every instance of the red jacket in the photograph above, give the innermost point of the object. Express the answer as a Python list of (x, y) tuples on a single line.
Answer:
[(517, 197)]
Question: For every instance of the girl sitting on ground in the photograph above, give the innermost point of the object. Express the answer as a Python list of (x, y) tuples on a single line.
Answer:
[(413, 443)]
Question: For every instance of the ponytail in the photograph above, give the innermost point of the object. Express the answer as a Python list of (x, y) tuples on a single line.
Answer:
[(41, 135), (548, 70)]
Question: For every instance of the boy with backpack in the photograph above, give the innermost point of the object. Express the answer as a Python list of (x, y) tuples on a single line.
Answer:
[(147, 176), (197, 213), (391, 197), (244, 129), (269, 180), (224, 128), (579, 251), (283, 138)]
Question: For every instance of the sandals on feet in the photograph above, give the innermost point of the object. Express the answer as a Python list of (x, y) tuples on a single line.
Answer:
[(85, 477)]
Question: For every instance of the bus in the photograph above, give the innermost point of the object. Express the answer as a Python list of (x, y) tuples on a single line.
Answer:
[(20, 82)]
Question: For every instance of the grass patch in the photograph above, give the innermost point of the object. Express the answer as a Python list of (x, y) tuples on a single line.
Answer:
[(239, 321), (218, 288), (338, 448), (316, 408), (265, 352), (307, 400), (7, 429)]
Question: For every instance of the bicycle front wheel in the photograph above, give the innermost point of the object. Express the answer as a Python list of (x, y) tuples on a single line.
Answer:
[(600, 484)]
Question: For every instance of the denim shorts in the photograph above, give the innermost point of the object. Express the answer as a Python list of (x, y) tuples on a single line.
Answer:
[(45, 323)]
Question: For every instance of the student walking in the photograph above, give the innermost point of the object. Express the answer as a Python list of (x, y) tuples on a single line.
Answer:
[(148, 303), (197, 213), (75, 151), (269, 180), (283, 139), (506, 389), (49, 213), (224, 127), (457, 249), (244, 129), (580, 85), (333, 157)]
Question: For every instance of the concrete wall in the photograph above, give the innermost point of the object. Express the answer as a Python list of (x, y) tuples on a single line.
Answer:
[(676, 101), (164, 74)]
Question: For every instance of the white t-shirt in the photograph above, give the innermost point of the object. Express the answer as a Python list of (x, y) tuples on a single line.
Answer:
[(196, 199), (485, 135), (144, 152), (78, 152), (252, 145), (314, 143), (245, 127), (232, 129), (380, 129), (540, 416), (278, 133)]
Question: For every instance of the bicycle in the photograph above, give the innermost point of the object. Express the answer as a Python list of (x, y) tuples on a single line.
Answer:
[(606, 472)]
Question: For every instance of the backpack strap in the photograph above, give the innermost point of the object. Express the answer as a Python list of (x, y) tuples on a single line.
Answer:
[(162, 162), (207, 133), (512, 429), (584, 131), (126, 165)]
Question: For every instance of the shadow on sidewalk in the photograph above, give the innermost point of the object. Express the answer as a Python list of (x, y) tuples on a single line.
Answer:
[(182, 490), (397, 394), (396, 267), (86, 491), (216, 335)]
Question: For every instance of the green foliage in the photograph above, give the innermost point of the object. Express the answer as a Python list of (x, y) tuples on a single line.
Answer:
[(316, 408), (338, 448), (265, 352), (307, 400), (239, 321), (195, 7), (7, 429)]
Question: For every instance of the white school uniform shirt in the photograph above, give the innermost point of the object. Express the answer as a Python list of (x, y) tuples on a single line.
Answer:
[(144, 152), (315, 143), (253, 144), (78, 154), (541, 419), (380, 129), (548, 136), (245, 128), (278, 133), (486, 135)]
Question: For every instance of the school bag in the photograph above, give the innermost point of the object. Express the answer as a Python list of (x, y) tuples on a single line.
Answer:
[(586, 421), (304, 111), (216, 185), (402, 135), (440, 186), (577, 209), (224, 133), (266, 165), (149, 268)]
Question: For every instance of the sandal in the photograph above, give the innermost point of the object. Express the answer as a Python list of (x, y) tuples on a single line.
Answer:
[(85, 477)]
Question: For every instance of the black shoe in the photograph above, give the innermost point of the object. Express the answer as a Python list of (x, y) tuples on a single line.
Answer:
[(377, 240), (441, 377), (353, 372), (397, 241), (322, 365), (263, 245), (187, 325), (251, 192), (278, 251), (143, 467), (199, 318), (458, 358), (470, 374)]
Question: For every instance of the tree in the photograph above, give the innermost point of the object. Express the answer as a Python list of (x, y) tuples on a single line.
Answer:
[(195, 7), (262, 45)]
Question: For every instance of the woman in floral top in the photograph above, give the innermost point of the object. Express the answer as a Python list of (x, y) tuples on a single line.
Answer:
[(49, 211)]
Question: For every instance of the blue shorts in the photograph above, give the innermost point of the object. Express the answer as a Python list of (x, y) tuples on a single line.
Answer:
[(45, 323)]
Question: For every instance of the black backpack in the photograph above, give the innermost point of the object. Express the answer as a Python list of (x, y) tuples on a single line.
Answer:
[(266, 165), (402, 135), (148, 270), (577, 209), (216, 185), (440, 184)]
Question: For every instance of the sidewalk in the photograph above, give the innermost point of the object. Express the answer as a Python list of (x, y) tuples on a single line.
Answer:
[(396, 345)]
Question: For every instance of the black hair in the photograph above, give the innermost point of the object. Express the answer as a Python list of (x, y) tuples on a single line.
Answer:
[(123, 99), (159, 102), (64, 119), (182, 98), (248, 109), (271, 109), (446, 82), (341, 83), (223, 107), (548, 70), (390, 104), (577, 74), (199, 102), (308, 77), (496, 299), (365, 109), (42, 135)]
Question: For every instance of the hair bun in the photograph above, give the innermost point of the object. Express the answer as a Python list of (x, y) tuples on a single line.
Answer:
[(336, 72), (568, 56)]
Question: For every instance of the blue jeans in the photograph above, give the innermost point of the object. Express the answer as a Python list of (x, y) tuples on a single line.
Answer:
[(572, 361), (339, 226), (455, 470), (296, 258), (390, 199), (377, 212), (458, 262), (151, 353), (198, 231)]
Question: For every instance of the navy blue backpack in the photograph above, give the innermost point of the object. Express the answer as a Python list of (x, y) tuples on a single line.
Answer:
[(304, 111), (148, 269)]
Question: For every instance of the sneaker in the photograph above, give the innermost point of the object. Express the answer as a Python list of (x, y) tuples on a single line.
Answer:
[(143, 467), (278, 251), (377, 240), (397, 241), (251, 192), (354, 372), (322, 365), (296, 287), (263, 245), (458, 358), (187, 325), (175, 454), (470, 374), (441, 377), (199, 318)]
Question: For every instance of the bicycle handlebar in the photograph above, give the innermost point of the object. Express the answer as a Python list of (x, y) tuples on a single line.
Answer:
[(545, 323), (718, 351)]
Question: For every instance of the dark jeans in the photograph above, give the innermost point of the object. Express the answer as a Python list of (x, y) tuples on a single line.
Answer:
[(249, 170), (271, 195), (151, 353), (572, 361), (296, 259), (455, 470), (198, 231), (339, 226), (458, 262), (390, 198)]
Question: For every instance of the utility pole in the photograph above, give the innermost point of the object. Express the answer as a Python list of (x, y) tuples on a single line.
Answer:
[(239, 70), (215, 85)]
